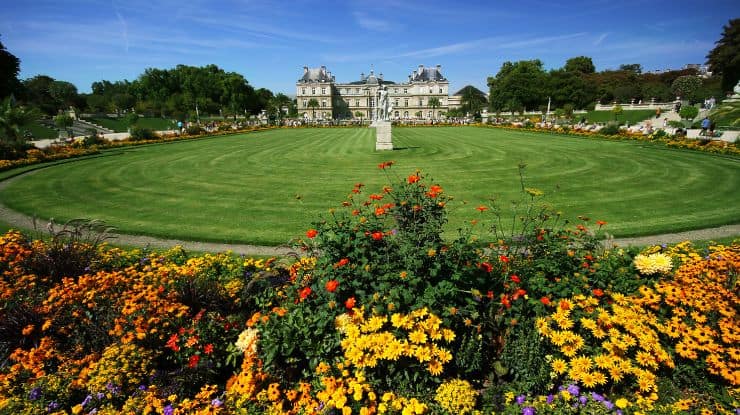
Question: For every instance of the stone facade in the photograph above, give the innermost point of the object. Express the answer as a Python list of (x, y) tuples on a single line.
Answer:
[(320, 97)]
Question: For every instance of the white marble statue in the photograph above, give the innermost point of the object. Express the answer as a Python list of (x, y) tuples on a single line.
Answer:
[(382, 111)]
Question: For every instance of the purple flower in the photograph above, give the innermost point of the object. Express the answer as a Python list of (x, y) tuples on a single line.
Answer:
[(52, 406), (528, 410), (583, 399), (573, 390), (35, 394), (168, 410), (100, 395), (142, 387), (597, 397), (550, 398), (94, 411), (609, 405), (87, 400), (521, 399), (619, 412), (216, 403)]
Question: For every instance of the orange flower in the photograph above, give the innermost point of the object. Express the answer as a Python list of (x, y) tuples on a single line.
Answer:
[(482, 208), (490, 295), (564, 305), (598, 292), (377, 235), (332, 285), (515, 278), (505, 301), (311, 233), (385, 164), (503, 258), (350, 303), (342, 262), (376, 197), (208, 349), (413, 178), (305, 292), (193, 362), (545, 300), (379, 211), (600, 223)]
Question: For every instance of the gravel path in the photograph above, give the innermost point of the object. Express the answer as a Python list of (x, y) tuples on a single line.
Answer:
[(25, 222)]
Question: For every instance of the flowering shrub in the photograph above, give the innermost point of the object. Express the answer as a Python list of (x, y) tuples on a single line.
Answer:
[(381, 315)]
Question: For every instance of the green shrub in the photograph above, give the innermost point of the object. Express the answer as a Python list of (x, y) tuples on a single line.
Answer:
[(194, 130), (688, 112), (610, 129), (141, 133)]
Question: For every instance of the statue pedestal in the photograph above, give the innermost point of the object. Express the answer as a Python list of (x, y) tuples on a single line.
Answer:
[(383, 135)]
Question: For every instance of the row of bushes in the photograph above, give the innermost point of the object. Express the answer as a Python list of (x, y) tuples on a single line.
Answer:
[(377, 313)]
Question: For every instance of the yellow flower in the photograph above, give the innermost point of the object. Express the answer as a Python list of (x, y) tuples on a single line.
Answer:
[(622, 403)]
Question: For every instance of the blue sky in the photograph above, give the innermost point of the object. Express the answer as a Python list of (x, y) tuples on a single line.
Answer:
[(269, 42)]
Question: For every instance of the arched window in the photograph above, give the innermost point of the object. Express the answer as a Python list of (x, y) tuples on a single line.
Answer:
[(405, 114)]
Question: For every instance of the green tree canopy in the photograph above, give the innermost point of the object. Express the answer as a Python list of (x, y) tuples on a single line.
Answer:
[(518, 84), (10, 67), (581, 64), (687, 87), (724, 59)]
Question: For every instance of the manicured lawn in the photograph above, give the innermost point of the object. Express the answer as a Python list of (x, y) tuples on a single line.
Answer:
[(633, 117), (40, 132), (268, 187), (145, 122)]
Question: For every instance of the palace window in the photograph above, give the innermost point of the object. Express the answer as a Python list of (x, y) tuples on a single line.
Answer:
[(405, 90), (405, 114), (429, 115), (305, 103), (323, 91), (323, 103), (406, 102), (440, 90), (313, 91), (396, 114), (421, 102), (395, 102), (357, 90), (303, 91), (357, 103)]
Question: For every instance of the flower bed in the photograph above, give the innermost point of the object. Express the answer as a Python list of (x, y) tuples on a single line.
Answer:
[(378, 315)]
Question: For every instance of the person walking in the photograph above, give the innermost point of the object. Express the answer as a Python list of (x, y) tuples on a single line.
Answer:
[(705, 123)]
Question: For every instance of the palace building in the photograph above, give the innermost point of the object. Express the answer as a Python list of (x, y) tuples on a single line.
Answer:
[(425, 95)]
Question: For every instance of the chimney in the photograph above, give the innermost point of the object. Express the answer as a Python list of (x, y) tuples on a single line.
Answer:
[(439, 67), (421, 69), (362, 76), (305, 69)]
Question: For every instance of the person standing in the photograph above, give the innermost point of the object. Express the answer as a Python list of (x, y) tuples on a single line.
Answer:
[(705, 123)]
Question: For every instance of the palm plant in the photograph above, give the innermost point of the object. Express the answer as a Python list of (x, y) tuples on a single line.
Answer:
[(313, 103), (13, 121), (434, 104)]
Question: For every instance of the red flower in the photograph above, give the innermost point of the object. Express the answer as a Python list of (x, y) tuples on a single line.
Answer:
[(598, 292), (519, 293), (490, 295), (505, 301), (350, 303), (482, 208), (377, 235), (600, 223), (515, 278), (564, 305), (503, 258), (172, 343), (545, 300), (385, 164), (342, 262), (379, 211), (193, 362), (376, 197), (413, 178), (208, 349), (311, 233), (485, 266), (332, 285), (305, 292)]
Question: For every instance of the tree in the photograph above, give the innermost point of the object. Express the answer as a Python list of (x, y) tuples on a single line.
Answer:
[(10, 67), (724, 59), (64, 122), (313, 103), (36, 94), (13, 123), (472, 99), (520, 84), (687, 87), (359, 114), (63, 93), (631, 67), (434, 104), (580, 64)]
